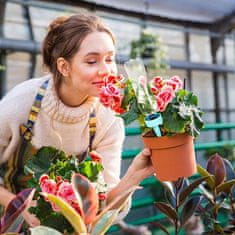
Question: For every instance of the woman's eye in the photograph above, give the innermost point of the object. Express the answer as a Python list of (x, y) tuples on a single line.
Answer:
[(91, 62)]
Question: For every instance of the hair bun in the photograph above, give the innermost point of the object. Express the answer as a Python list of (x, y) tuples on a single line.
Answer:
[(57, 22)]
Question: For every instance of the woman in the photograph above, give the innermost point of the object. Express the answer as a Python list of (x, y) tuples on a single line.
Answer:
[(56, 110)]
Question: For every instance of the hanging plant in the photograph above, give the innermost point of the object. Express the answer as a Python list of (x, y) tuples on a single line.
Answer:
[(2, 67), (149, 47)]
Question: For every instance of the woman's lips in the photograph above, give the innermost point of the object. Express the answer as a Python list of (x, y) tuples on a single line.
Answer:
[(99, 84)]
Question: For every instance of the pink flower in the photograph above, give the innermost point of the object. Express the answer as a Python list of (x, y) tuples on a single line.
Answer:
[(175, 82), (102, 196), (95, 156), (157, 82), (48, 186), (43, 178), (110, 96), (113, 79), (164, 97), (76, 207), (154, 90), (160, 104), (65, 191)]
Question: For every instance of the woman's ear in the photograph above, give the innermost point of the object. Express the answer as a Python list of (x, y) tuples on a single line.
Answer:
[(63, 66)]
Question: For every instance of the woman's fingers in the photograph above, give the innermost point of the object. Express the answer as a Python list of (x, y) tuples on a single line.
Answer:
[(31, 219), (146, 151)]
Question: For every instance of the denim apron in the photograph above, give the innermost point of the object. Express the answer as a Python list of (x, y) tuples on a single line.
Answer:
[(12, 171)]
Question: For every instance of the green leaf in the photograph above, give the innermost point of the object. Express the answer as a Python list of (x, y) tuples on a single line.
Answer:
[(215, 166), (133, 112), (225, 187), (161, 227), (189, 208), (42, 230), (41, 161), (219, 229), (230, 174), (179, 184), (203, 172), (90, 169), (120, 201), (172, 122), (186, 192), (167, 209), (169, 187), (104, 222)]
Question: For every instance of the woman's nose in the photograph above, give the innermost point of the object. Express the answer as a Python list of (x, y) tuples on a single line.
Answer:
[(104, 70)]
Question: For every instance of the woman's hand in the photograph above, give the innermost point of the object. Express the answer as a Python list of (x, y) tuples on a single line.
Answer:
[(141, 167), (30, 219)]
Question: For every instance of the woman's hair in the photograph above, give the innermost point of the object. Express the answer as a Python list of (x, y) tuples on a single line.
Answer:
[(64, 38)]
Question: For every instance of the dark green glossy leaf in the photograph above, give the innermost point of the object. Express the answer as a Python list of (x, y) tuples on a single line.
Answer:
[(168, 187), (40, 163), (225, 187), (87, 196), (179, 184), (219, 229), (230, 174), (186, 192), (167, 209), (161, 227), (215, 166), (189, 208)]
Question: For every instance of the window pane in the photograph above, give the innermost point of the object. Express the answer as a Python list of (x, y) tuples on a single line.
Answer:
[(18, 65), (202, 86), (200, 48)]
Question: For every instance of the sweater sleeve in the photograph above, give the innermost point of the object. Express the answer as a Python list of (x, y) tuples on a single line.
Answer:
[(110, 148), (14, 110)]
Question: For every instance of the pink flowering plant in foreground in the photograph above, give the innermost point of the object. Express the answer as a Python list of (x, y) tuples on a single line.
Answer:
[(136, 98), (70, 196), (51, 171)]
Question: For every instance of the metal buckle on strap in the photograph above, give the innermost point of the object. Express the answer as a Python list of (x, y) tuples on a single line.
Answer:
[(26, 131)]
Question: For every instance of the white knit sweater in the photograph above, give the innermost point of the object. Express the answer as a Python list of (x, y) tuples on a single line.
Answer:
[(61, 126)]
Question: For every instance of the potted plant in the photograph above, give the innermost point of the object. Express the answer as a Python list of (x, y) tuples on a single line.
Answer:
[(168, 115), (85, 219)]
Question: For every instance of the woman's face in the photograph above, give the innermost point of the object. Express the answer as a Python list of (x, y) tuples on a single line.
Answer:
[(94, 60)]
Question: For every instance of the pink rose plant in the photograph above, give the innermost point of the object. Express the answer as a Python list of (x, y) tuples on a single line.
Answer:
[(61, 188), (136, 98)]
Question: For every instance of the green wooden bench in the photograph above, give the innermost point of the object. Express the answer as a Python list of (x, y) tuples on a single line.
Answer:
[(131, 153)]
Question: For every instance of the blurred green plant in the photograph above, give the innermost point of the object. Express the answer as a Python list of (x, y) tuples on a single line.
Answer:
[(214, 201), (179, 205), (218, 196), (226, 151), (2, 67), (150, 48)]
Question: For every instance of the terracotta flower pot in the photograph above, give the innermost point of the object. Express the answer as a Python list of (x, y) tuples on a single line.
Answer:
[(172, 157)]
